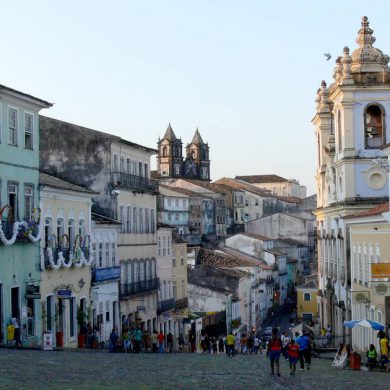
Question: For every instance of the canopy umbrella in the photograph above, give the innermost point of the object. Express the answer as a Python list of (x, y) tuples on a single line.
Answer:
[(366, 323)]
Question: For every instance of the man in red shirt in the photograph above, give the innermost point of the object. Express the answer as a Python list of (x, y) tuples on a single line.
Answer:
[(160, 339), (274, 350), (293, 353)]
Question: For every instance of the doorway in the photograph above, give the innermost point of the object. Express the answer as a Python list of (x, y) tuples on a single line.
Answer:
[(15, 306)]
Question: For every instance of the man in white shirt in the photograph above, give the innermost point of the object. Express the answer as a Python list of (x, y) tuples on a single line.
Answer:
[(285, 341)]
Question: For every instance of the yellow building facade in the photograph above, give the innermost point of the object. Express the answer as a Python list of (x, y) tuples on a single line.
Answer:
[(307, 306), (66, 257)]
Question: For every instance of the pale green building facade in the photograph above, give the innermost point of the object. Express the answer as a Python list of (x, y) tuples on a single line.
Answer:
[(19, 198)]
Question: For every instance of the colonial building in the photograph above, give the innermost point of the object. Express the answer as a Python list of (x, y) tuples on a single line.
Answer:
[(276, 184), (351, 126), (172, 165), (66, 258), (20, 214), (105, 275), (119, 172)]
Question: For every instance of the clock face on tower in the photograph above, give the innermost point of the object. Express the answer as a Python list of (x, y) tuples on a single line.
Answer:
[(190, 168)]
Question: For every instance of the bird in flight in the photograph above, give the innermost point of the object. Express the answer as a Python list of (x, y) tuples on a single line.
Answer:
[(328, 56)]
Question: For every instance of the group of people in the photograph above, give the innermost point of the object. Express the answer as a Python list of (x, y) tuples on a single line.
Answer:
[(372, 355), (292, 349), (136, 340), (14, 334)]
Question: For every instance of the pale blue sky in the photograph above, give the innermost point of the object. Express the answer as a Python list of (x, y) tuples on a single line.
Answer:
[(245, 72)]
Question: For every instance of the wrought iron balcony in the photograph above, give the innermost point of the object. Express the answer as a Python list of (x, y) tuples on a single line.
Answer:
[(132, 182), (181, 303), (129, 289), (167, 304), (108, 273)]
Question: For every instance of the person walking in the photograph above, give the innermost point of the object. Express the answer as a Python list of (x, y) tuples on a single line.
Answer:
[(256, 345), (137, 337), (285, 342), (230, 343), (125, 338), (220, 345), (244, 345), (113, 341), (304, 351), (170, 342), (10, 334), (180, 341), (154, 341), (17, 333), (147, 339), (161, 339), (274, 350), (371, 356), (293, 353)]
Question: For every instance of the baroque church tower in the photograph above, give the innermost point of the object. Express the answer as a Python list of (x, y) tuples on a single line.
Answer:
[(351, 127), (172, 165)]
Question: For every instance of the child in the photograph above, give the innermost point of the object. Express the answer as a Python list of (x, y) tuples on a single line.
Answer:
[(371, 356), (292, 352)]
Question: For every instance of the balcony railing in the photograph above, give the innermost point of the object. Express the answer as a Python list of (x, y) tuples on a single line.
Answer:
[(22, 236), (167, 304), (132, 182), (108, 273), (67, 254), (129, 289), (181, 303)]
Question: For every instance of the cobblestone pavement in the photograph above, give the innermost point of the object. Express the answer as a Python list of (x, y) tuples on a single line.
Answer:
[(27, 369)]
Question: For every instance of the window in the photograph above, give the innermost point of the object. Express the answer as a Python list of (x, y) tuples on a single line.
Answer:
[(115, 163), (100, 255), (128, 166), (122, 167), (82, 228), (169, 202), (147, 230), (140, 169), (152, 223), (169, 216), (122, 218), (12, 126), (71, 232), (113, 254), (164, 247), (173, 261), (169, 246), (28, 202), (48, 230), (306, 297), (28, 131), (128, 220), (60, 230), (13, 202), (159, 246), (373, 126), (107, 247), (141, 220), (339, 131), (177, 203), (135, 227), (181, 258), (177, 216)]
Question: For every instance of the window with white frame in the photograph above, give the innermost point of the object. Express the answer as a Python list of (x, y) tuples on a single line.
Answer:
[(128, 220), (12, 126), (306, 297), (360, 257), (60, 230), (135, 227), (48, 230), (141, 220), (28, 131), (164, 246), (168, 246), (13, 202), (152, 222), (159, 246), (28, 201), (147, 229)]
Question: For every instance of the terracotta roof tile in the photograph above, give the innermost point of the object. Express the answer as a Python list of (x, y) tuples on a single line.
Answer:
[(262, 179), (241, 185), (382, 208)]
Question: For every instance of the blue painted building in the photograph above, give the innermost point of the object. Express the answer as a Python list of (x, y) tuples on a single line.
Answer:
[(19, 198)]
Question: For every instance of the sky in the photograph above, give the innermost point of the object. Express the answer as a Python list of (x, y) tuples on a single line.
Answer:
[(244, 72)]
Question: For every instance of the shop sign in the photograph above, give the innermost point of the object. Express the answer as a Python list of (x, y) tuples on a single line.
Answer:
[(64, 294), (141, 308), (380, 270), (31, 289)]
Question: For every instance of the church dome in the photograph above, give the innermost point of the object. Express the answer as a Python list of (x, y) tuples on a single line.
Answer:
[(369, 64)]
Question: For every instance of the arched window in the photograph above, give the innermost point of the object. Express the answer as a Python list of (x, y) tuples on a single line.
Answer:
[(135, 271), (141, 220), (374, 126), (129, 272), (147, 270), (153, 268)]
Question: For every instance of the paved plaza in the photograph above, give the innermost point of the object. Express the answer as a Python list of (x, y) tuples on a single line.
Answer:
[(26, 369)]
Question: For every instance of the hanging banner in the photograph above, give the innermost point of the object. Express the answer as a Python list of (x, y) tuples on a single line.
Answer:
[(380, 270)]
